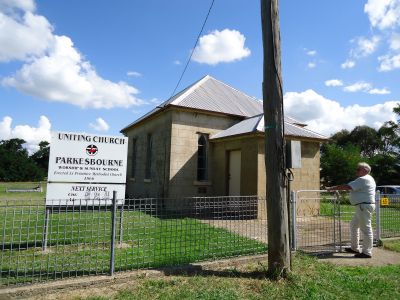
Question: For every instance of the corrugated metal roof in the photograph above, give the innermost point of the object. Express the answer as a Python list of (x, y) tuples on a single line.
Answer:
[(213, 95), (210, 94), (256, 124), (297, 131)]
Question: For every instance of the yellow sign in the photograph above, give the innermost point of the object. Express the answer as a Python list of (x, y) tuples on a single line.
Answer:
[(384, 201)]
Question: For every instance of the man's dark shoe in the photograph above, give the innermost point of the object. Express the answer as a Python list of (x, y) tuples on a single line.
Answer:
[(362, 255), (349, 250)]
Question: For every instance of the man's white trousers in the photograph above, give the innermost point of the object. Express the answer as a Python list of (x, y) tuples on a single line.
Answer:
[(362, 222)]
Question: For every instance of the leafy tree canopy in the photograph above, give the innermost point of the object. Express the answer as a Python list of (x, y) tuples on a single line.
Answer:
[(17, 165)]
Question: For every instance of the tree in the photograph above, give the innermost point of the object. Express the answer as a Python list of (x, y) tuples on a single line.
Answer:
[(41, 157), (341, 138), (366, 138), (15, 163), (385, 169), (277, 214), (338, 164), (389, 138)]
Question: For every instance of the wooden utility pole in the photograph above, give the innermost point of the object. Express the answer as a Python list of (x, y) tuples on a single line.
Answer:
[(277, 213)]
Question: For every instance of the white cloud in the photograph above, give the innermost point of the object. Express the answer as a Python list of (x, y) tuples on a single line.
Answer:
[(54, 69), (32, 135), (312, 52), (311, 65), (383, 91), (395, 41), (221, 46), (357, 87), (5, 128), (23, 37), (100, 125), (365, 46), (388, 62), (383, 14), (177, 62), (63, 76), (11, 5), (334, 82), (133, 74), (348, 64), (155, 101), (328, 116)]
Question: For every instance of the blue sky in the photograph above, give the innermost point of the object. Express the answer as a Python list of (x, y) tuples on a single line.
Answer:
[(96, 66)]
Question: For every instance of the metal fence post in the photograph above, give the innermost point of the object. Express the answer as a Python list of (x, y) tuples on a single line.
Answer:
[(378, 217), (337, 195), (121, 223), (294, 223), (45, 229), (113, 221)]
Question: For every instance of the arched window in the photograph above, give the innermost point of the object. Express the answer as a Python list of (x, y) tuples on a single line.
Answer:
[(202, 169)]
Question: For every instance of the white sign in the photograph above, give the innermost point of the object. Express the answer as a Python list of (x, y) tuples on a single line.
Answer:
[(71, 194), (76, 157), (85, 169)]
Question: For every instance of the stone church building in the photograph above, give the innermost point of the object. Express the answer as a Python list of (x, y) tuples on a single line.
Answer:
[(208, 140)]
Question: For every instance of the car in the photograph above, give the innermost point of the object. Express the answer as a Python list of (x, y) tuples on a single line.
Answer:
[(392, 192)]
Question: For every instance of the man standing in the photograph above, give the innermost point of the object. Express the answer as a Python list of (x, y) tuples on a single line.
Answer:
[(362, 195)]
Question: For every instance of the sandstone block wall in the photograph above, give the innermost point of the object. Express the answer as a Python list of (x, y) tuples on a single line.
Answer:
[(157, 185), (248, 181), (185, 131)]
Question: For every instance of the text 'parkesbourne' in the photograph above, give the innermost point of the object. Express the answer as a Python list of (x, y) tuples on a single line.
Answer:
[(89, 161)]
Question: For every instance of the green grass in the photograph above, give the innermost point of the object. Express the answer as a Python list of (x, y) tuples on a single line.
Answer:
[(26, 196), (310, 279), (393, 245)]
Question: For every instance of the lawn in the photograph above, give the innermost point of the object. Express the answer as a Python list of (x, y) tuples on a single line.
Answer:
[(310, 279), (393, 245), (26, 196)]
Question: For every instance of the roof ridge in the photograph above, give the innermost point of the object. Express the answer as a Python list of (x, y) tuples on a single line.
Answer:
[(189, 90)]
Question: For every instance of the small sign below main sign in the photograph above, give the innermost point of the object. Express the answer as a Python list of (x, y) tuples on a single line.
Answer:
[(70, 194)]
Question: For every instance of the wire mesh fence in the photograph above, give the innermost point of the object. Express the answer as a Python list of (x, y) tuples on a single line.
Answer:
[(323, 220), (318, 223), (389, 216), (41, 243)]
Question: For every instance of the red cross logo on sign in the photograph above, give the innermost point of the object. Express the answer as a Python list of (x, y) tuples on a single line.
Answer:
[(91, 150)]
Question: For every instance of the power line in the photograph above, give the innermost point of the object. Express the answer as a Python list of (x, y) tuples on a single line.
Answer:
[(191, 53)]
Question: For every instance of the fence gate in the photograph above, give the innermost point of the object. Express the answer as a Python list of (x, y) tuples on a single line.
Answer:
[(316, 221), (321, 221)]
